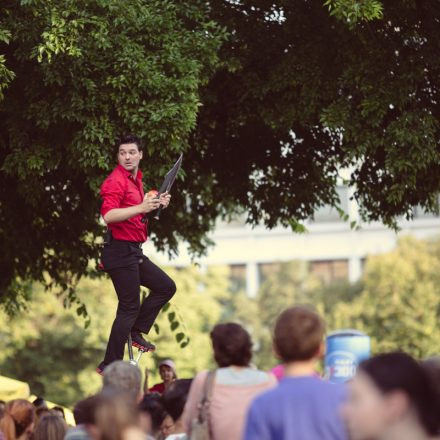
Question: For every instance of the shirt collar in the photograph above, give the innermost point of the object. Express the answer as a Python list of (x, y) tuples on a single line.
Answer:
[(128, 174)]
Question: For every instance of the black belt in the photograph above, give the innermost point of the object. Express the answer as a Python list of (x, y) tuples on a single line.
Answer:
[(133, 243)]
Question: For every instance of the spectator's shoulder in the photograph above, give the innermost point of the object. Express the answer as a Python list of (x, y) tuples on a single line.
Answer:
[(266, 398), (336, 390), (77, 433), (201, 374), (199, 380)]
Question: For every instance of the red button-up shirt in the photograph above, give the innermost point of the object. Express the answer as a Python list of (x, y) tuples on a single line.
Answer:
[(121, 190)]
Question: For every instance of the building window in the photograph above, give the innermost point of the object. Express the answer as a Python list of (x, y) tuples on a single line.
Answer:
[(267, 269), (420, 212), (327, 213), (237, 277), (330, 270)]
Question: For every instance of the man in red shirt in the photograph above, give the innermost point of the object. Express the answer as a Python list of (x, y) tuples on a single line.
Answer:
[(124, 205)]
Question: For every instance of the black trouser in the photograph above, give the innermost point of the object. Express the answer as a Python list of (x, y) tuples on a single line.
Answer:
[(131, 314)]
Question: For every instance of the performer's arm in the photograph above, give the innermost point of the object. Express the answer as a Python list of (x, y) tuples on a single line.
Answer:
[(115, 215)]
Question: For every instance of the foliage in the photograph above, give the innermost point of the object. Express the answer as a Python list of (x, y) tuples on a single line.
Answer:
[(397, 301), (48, 347), (291, 284), (269, 101), (197, 305), (6, 75), (302, 96), (75, 75), (399, 306), (353, 11)]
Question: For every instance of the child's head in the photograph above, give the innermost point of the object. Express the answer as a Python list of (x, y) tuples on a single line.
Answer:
[(298, 335)]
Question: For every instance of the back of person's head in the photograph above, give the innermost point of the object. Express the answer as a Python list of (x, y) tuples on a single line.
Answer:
[(152, 413), (50, 427), (18, 418), (123, 377), (39, 402), (175, 397), (2, 408), (298, 334), (115, 414), (84, 410), (41, 411), (432, 368), (59, 411), (232, 345), (399, 372)]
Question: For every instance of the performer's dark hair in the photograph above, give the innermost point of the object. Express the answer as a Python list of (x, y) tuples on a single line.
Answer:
[(298, 334), (232, 345), (130, 139), (175, 397), (399, 371)]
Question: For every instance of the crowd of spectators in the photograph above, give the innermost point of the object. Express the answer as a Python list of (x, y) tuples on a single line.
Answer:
[(391, 397)]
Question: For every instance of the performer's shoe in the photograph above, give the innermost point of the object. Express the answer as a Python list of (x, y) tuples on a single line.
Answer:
[(138, 341), (100, 368)]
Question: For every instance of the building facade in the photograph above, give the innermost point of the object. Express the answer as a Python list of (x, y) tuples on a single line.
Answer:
[(331, 247)]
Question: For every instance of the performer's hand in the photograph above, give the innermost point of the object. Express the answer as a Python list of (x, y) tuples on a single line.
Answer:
[(165, 199), (150, 203)]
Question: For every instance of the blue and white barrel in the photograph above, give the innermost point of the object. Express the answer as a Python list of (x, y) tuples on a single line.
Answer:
[(345, 350)]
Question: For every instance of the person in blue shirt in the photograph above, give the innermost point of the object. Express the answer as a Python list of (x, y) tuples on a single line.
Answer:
[(303, 406)]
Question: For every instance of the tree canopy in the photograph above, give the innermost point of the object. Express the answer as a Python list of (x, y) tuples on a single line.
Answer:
[(77, 74), (306, 95), (269, 101)]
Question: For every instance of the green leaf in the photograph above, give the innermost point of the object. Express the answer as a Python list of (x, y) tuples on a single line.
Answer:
[(156, 328), (297, 227)]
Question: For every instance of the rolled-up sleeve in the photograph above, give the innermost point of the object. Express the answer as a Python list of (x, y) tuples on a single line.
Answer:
[(112, 193)]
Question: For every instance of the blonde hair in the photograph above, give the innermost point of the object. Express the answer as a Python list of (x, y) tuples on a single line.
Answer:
[(50, 427)]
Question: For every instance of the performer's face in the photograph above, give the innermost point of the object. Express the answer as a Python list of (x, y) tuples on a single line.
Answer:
[(129, 157)]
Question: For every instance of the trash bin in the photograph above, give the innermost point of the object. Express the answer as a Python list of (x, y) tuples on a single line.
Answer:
[(345, 349)]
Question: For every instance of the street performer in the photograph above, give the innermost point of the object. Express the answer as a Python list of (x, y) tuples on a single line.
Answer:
[(124, 205)]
